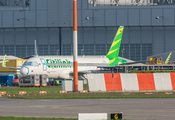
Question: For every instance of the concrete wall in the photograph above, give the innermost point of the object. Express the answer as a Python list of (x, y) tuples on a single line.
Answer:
[(131, 82)]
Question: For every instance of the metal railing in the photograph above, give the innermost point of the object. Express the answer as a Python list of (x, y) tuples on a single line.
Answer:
[(94, 3)]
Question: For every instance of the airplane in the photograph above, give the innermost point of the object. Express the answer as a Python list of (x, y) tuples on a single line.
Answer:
[(61, 67)]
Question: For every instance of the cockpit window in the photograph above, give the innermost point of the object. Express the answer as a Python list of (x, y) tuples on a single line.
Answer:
[(30, 64)]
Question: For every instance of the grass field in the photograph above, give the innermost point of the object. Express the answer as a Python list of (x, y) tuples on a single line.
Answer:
[(11, 90), (95, 95), (33, 118), (53, 93)]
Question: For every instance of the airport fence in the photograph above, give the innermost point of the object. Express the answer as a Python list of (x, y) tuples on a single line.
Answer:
[(131, 82)]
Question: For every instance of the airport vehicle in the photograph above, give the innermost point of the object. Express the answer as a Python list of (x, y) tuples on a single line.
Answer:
[(33, 80), (15, 81), (4, 80), (62, 66), (158, 60)]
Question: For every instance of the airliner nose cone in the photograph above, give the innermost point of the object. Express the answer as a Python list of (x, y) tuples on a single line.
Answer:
[(24, 70)]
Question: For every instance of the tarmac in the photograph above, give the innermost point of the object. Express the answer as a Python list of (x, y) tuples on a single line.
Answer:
[(139, 108)]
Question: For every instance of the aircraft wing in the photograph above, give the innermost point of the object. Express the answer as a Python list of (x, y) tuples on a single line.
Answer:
[(130, 63), (82, 72), (4, 64)]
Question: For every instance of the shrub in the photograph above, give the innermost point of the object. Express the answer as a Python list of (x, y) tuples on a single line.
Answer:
[(151, 71)]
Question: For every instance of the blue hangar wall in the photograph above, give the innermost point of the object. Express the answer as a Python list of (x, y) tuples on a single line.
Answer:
[(50, 23)]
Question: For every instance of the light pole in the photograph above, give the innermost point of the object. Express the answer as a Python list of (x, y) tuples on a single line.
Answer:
[(75, 47), (82, 52), (57, 51), (122, 51)]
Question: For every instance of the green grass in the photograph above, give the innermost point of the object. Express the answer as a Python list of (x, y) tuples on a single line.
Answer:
[(94, 95), (34, 118), (50, 89), (53, 93), (151, 71)]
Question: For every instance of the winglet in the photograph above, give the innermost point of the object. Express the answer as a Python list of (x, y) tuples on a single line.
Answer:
[(168, 58), (4, 61)]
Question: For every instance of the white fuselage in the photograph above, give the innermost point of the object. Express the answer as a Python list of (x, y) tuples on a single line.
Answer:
[(41, 65)]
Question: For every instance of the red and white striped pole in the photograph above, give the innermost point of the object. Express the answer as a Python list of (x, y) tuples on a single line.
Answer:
[(75, 45)]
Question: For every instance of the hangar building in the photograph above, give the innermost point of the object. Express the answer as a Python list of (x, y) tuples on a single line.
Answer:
[(149, 27)]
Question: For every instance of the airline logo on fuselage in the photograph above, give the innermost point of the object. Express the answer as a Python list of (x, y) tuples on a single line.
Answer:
[(58, 61)]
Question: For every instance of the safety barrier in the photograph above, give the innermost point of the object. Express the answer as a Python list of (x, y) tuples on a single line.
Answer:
[(2, 92), (168, 93), (148, 93), (42, 92), (131, 81), (22, 92), (83, 91), (63, 91)]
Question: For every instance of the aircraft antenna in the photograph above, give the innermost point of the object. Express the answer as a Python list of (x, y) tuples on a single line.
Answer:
[(36, 54)]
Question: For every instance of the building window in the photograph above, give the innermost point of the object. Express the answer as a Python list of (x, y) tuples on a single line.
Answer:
[(67, 50), (89, 49), (1, 49), (80, 50), (100, 49), (21, 51), (54, 50), (108, 48), (135, 52), (124, 51), (146, 51), (30, 50), (9, 49), (43, 50)]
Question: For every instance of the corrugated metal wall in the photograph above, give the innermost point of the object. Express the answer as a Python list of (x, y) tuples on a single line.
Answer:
[(50, 23), (58, 13)]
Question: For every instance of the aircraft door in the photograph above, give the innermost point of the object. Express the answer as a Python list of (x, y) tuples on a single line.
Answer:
[(44, 64)]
